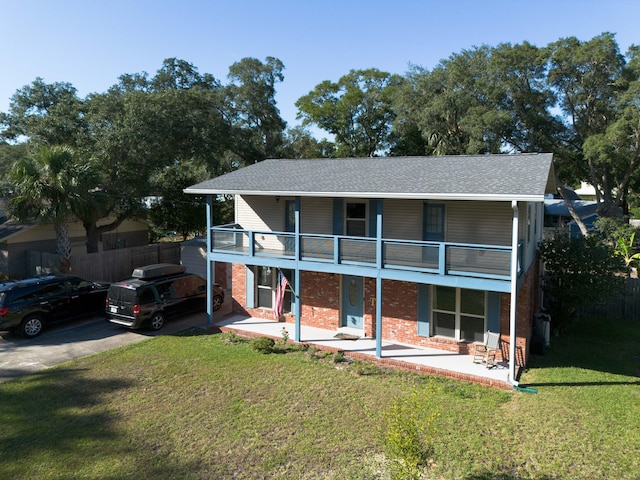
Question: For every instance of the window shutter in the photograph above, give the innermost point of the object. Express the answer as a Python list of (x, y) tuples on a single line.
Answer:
[(373, 217), (424, 310), (338, 216), (493, 312), (250, 287)]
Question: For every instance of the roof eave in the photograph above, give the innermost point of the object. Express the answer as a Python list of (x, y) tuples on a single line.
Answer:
[(489, 197)]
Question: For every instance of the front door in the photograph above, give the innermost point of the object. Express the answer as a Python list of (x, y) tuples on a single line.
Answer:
[(352, 301)]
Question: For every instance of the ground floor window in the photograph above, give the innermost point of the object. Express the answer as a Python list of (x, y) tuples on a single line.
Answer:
[(459, 313), (266, 284)]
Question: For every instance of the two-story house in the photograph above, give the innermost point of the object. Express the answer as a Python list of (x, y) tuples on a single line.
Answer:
[(426, 251)]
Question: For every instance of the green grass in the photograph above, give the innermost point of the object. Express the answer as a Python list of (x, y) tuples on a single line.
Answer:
[(198, 407)]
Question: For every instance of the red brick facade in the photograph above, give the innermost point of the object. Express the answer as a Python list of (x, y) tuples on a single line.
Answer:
[(321, 309)]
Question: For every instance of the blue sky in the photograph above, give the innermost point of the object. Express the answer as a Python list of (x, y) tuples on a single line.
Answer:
[(90, 43)]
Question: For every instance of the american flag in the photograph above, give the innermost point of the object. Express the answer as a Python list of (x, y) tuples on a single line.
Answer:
[(280, 290)]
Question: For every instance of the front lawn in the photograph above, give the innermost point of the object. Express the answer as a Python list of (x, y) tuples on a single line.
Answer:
[(196, 407)]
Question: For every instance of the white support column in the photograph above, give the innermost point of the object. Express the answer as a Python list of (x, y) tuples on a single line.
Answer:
[(298, 301), (379, 264), (210, 262), (514, 293)]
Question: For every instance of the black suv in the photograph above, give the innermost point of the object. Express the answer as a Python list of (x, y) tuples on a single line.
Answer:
[(27, 306), (157, 292)]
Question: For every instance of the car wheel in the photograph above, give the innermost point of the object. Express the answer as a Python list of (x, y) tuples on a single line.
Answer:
[(31, 326), (217, 302), (157, 321)]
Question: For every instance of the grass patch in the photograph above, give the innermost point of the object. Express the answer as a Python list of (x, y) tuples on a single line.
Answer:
[(211, 407)]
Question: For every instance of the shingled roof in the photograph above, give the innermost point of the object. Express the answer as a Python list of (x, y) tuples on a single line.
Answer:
[(526, 177)]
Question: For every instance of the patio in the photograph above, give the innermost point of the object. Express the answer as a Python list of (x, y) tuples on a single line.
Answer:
[(420, 359)]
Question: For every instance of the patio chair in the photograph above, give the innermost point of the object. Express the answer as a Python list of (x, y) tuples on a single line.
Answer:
[(486, 353)]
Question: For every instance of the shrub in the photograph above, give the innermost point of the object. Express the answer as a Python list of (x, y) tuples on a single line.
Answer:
[(578, 272), (263, 344), (407, 436)]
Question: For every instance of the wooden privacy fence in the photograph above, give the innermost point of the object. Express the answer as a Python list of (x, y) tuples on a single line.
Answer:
[(626, 306), (109, 266)]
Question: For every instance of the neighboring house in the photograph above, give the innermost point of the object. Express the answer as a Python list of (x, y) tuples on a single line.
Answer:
[(427, 251), (17, 240), (586, 192), (557, 218)]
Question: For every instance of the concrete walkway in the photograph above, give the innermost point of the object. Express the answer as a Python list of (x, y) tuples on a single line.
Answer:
[(427, 360)]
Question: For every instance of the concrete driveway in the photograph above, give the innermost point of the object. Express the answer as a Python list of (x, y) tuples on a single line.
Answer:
[(59, 344)]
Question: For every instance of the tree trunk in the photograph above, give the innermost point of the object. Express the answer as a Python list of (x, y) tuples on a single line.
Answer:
[(93, 237), (572, 211), (63, 246)]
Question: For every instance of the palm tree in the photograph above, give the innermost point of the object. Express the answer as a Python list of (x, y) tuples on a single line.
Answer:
[(48, 187)]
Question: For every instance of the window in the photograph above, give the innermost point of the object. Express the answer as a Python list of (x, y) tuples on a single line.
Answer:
[(266, 281), (146, 295), (356, 219), (164, 290), (290, 216), (459, 313), (188, 286), (433, 222), (51, 291), (265, 286)]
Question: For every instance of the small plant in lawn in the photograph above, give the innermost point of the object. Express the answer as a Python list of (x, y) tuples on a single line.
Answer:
[(407, 436), (365, 368), (312, 352), (284, 333), (263, 344), (281, 344), (231, 337), (338, 356)]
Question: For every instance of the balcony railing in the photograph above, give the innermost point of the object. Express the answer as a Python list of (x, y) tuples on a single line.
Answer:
[(483, 261)]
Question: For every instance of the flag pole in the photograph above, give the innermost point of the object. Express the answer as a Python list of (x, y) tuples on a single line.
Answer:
[(289, 284)]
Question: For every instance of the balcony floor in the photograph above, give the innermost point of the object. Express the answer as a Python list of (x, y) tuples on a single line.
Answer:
[(407, 357)]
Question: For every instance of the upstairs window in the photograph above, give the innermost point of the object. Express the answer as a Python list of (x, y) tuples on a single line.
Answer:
[(356, 219)]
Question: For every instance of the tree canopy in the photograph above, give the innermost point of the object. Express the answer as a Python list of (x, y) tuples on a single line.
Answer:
[(357, 110), (577, 99)]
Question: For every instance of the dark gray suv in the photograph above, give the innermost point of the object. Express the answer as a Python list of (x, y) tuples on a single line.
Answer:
[(156, 293), (27, 306)]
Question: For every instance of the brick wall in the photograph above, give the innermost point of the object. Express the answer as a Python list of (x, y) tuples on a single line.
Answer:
[(528, 305), (321, 309)]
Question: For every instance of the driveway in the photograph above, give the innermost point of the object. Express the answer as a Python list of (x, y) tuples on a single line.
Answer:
[(59, 344)]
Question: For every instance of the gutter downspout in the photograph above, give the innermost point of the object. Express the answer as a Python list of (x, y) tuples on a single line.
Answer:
[(514, 294)]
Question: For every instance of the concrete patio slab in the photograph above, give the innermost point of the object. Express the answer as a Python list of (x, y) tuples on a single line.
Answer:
[(407, 357)]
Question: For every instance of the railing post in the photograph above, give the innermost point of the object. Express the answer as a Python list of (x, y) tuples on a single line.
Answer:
[(442, 258), (252, 245)]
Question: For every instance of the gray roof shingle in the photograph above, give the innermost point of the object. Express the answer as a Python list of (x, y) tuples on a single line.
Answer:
[(480, 177)]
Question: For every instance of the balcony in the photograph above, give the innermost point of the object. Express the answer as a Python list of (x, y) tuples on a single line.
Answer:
[(441, 258)]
